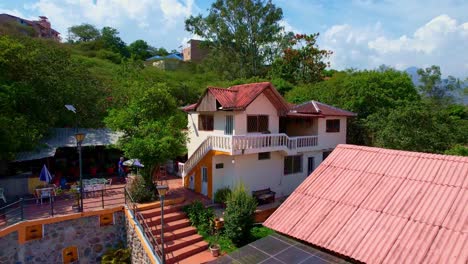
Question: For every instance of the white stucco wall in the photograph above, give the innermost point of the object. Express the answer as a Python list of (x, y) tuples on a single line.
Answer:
[(260, 174), (196, 137), (260, 106), (331, 140)]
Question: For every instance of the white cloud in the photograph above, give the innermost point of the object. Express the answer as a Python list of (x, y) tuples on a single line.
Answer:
[(425, 39), (288, 27), (17, 13), (155, 19), (441, 41)]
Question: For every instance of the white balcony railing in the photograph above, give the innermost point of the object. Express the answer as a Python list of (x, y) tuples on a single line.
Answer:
[(248, 144)]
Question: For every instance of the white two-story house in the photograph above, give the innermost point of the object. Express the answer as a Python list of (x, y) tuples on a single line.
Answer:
[(249, 134)]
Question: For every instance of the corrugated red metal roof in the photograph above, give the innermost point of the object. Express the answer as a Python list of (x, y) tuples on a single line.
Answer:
[(382, 206)]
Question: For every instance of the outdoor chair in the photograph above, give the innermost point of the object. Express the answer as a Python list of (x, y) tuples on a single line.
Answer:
[(2, 194), (47, 193)]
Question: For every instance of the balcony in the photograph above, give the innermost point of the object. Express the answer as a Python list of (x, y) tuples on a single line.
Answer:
[(249, 144)]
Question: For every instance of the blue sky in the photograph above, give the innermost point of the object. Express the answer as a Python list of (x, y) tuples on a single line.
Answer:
[(363, 34)]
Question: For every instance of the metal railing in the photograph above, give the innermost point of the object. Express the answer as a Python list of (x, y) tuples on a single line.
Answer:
[(140, 219), (63, 204)]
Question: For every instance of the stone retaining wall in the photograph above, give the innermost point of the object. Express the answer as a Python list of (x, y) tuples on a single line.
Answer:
[(85, 233)]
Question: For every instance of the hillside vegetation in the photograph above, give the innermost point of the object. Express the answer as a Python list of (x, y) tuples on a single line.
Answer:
[(107, 82)]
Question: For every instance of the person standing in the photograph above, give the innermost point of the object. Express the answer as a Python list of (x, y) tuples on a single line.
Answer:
[(121, 170)]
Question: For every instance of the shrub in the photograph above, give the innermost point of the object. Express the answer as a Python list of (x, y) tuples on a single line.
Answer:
[(141, 191), (239, 216), (120, 255), (200, 217), (222, 195)]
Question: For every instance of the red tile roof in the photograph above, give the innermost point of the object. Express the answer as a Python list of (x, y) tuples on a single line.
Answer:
[(238, 97), (318, 108), (382, 206)]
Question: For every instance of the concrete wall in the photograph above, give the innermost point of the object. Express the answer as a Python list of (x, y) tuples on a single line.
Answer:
[(331, 140), (260, 106), (260, 174), (196, 137), (85, 233)]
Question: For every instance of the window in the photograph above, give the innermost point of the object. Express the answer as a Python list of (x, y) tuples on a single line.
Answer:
[(333, 125), (325, 155), (219, 165), (264, 156), (257, 123), (205, 122), (292, 164)]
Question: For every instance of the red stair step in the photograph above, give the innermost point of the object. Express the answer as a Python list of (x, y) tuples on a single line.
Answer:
[(170, 217), (179, 243), (169, 226), (185, 252), (177, 233), (153, 212)]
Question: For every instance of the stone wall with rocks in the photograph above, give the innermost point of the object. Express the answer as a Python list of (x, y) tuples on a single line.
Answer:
[(85, 233), (139, 254)]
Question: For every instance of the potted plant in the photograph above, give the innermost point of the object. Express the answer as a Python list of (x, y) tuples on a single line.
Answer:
[(215, 249)]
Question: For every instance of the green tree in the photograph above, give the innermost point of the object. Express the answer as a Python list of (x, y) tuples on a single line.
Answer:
[(434, 88), (83, 33), (363, 92), (302, 60), (239, 216), (140, 49), (112, 41), (152, 126), (416, 127), (240, 33), (457, 150), (37, 78)]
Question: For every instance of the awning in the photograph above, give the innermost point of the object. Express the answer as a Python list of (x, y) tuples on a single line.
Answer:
[(65, 137)]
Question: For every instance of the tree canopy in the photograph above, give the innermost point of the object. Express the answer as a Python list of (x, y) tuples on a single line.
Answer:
[(152, 126), (37, 78), (83, 33), (242, 34), (302, 60)]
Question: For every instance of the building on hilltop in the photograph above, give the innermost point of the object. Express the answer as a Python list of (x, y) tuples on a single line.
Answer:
[(249, 134), (194, 51), (41, 28)]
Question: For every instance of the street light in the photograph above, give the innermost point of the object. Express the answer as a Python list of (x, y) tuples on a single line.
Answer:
[(79, 140), (162, 189)]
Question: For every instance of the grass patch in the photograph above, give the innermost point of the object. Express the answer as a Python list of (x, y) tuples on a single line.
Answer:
[(260, 231)]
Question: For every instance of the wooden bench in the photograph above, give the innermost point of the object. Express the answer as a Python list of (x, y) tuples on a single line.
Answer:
[(264, 196)]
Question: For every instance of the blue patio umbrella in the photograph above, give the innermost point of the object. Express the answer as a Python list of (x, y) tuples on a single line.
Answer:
[(45, 175)]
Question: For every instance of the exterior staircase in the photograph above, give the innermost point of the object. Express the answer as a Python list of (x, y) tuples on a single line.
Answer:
[(180, 238)]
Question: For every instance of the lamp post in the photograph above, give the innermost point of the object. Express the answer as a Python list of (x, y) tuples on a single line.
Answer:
[(162, 189), (79, 140)]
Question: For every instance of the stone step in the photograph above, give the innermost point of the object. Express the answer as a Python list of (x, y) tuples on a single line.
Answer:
[(170, 246), (185, 252), (176, 234)]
